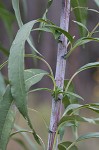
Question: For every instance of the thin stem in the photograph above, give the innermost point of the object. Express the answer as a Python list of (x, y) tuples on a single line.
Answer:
[(59, 76), (91, 33)]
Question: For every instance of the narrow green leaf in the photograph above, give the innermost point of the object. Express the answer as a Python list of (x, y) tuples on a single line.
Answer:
[(75, 95), (80, 42), (88, 66), (85, 67), (88, 136), (59, 31), (40, 89), (15, 4), (66, 119), (82, 25), (7, 116), (76, 107), (80, 14), (16, 71), (32, 76), (65, 145)]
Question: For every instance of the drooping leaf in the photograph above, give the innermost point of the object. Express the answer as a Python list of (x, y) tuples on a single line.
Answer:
[(2, 85), (32, 76), (80, 14), (7, 116), (65, 145), (16, 71)]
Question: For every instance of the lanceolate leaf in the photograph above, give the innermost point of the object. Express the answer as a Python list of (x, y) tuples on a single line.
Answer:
[(16, 71), (32, 76), (7, 115)]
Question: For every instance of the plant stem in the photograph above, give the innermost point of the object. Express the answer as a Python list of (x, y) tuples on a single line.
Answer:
[(60, 74)]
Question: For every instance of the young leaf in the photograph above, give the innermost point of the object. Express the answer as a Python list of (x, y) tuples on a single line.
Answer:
[(32, 76), (65, 145), (7, 116)]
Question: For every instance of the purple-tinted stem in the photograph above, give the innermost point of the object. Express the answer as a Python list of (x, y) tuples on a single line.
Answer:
[(60, 73)]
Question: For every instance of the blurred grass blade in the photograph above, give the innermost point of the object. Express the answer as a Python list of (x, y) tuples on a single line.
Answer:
[(80, 14), (97, 2), (88, 136), (15, 4), (4, 50), (2, 85), (26, 137), (21, 143), (33, 76), (7, 116), (8, 19)]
